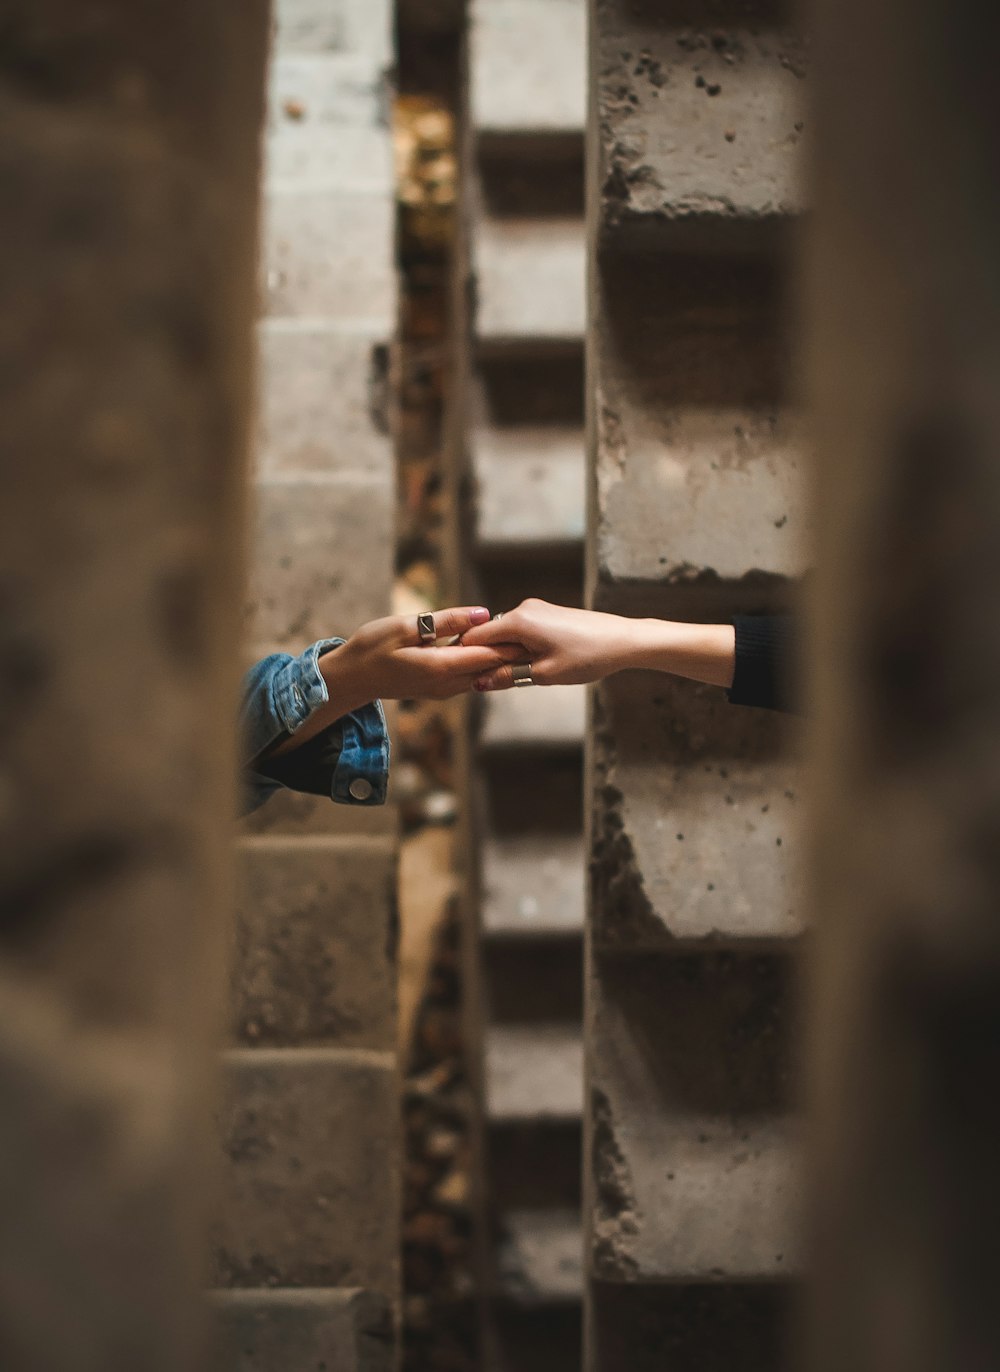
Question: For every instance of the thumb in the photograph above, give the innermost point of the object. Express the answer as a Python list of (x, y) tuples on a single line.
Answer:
[(449, 623)]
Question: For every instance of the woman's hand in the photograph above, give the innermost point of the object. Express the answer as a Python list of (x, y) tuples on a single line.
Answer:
[(565, 647), (569, 647), (386, 660)]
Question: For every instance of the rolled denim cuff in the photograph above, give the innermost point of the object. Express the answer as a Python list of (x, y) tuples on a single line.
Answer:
[(361, 776), (298, 688)]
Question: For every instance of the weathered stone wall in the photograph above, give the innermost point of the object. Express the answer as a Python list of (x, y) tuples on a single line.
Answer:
[(308, 1236), (519, 474), (904, 304), (128, 195), (695, 513)]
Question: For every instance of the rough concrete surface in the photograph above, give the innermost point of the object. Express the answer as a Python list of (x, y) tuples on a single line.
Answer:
[(322, 562), (335, 26), (696, 817), (534, 1071), (128, 195), (301, 1331), (309, 1173), (323, 402), (327, 122), (698, 457), (530, 485), (530, 278), (314, 954), (695, 1169), (699, 123), (528, 66)]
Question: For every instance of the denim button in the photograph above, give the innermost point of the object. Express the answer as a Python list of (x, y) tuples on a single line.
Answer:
[(361, 788)]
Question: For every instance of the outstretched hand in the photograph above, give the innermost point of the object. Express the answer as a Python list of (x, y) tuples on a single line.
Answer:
[(565, 647)]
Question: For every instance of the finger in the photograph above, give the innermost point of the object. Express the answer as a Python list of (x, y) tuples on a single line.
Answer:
[(501, 679), (448, 623), (503, 630), (464, 661)]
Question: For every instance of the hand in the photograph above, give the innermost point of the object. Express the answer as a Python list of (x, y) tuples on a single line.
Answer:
[(386, 659), (565, 647)]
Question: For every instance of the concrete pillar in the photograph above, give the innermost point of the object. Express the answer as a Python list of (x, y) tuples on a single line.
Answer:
[(128, 193), (905, 323), (695, 512), (518, 479), (307, 1242)]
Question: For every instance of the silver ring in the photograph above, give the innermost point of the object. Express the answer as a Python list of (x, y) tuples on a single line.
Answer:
[(425, 628), (498, 615), (521, 673)]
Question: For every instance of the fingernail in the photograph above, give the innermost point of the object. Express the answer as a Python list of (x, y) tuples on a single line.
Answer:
[(479, 615), (482, 684)]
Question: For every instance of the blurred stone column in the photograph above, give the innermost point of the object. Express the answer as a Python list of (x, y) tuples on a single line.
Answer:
[(128, 187), (905, 311)]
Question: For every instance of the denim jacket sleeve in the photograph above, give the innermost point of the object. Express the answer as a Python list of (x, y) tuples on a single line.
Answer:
[(349, 761)]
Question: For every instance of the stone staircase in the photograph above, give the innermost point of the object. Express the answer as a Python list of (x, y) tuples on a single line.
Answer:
[(521, 454), (696, 513), (306, 1263)]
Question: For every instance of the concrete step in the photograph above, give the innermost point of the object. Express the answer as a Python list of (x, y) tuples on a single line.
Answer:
[(305, 1197), (311, 963), (304, 583), (301, 1331), (534, 1072), (533, 885), (696, 820), (699, 458), (326, 123), (536, 716), (528, 67), (319, 391), (530, 486), (540, 1256), (707, 1200), (336, 27), (700, 130), (691, 1093), (530, 278)]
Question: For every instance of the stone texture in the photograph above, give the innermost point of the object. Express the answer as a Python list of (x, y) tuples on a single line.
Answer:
[(301, 1331), (329, 254), (322, 406), (533, 884), (128, 207), (530, 485), (541, 716), (313, 961), (336, 26), (534, 1071), (308, 1197), (697, 464), (695, 1164), (528, 66), (541, 1255), (696, 817), (327, 121), (322, 560), (698, 124), (530, 278)]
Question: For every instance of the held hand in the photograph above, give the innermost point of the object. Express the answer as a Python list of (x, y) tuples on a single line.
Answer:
[(387, 659), (566, 647)]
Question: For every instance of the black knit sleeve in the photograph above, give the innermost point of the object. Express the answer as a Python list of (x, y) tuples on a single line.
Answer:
[(766, 651)]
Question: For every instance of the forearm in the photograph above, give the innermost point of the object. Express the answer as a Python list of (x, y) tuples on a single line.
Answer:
[(700, 652)]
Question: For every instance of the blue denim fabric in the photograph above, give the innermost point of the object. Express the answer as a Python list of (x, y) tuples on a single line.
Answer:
[(279, 694)]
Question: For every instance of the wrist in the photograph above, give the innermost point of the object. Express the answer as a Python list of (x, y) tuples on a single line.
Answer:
[(700, 652), (349, 678)]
